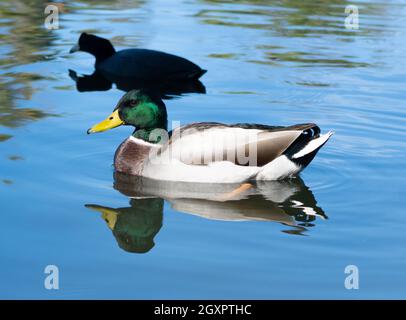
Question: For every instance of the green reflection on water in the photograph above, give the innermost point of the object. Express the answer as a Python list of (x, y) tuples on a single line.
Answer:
[(7, 181), (308, 17), (16, 87), (15, 158), (26, 36), (25, 41), (308, 59), (222, 55), (5, 137), (293, 19)]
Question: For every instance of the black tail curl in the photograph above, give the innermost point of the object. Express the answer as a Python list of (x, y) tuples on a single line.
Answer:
[(301, 142)]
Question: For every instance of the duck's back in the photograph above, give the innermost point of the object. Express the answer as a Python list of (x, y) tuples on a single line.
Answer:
[(149, 65)]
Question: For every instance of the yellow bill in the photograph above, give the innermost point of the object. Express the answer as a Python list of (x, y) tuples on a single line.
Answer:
[(110, 122)]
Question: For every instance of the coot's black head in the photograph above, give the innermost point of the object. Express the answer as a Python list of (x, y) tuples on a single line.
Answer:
[(99, 47)]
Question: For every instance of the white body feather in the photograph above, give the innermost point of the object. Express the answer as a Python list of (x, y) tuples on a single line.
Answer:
[(173, 163)]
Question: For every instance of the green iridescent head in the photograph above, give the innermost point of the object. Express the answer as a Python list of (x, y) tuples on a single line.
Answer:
[(138, 108)]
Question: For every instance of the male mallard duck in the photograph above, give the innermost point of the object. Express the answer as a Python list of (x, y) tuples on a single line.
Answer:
[(207, 151), (148, 65)]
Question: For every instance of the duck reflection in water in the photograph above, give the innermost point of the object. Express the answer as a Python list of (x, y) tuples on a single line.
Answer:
[(134, 227), (289, 202)]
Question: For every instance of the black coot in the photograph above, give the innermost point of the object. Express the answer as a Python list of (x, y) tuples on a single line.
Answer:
[(143, 64)]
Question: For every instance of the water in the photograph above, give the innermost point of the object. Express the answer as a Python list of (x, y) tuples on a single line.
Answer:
[(275, 62)]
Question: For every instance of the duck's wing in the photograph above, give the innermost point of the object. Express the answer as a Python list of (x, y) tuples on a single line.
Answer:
[(243, 144)]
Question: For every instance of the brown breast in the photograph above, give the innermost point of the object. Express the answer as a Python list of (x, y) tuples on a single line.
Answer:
[(130, 156)]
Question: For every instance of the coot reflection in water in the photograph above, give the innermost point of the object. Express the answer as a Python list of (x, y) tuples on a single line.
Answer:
[(289, 202), (98, 82)]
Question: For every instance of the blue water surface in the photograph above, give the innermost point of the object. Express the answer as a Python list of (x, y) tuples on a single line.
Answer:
[(271, 62)]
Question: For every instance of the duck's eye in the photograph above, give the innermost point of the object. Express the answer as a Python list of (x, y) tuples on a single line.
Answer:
[(133, 102)]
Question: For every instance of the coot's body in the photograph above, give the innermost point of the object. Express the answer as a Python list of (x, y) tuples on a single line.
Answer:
[(151, 64)]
